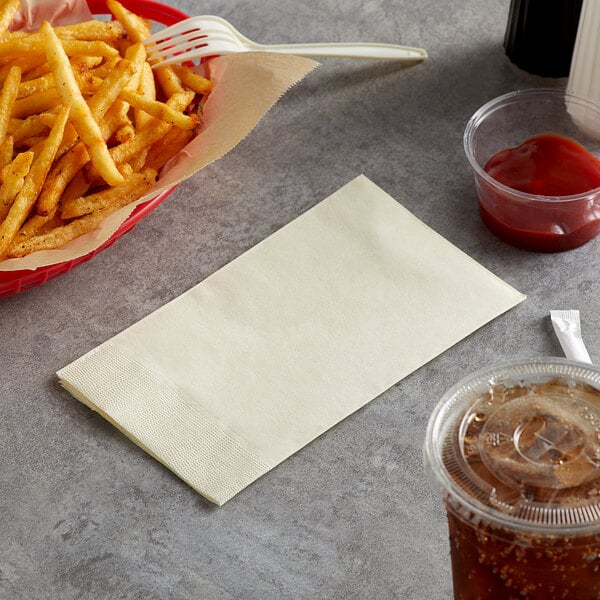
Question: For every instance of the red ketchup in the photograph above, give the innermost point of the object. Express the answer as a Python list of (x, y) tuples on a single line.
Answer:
[(547, 165)]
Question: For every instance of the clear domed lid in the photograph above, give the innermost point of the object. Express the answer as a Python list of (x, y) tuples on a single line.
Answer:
[(519, 444)]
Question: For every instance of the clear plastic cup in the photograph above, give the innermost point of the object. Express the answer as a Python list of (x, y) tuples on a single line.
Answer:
[(535, 222), (515, 451)]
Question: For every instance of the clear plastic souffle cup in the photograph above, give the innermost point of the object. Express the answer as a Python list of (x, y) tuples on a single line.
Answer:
[(542, 222), (514, 450)]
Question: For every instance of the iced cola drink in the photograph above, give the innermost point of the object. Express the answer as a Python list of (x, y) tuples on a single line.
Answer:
[(515, 450)]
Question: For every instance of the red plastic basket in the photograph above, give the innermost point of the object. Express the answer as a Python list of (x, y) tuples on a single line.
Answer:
[(13, 282)]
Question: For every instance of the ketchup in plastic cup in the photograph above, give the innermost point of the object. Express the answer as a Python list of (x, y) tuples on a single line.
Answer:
[(534, 156), (515, 451)]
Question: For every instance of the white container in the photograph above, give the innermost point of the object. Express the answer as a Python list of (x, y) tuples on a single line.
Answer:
[(584, 75)]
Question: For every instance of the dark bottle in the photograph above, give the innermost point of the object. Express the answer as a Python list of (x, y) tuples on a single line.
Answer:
[(540, 35)]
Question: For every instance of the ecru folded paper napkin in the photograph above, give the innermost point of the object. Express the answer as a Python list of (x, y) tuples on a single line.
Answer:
[(250, 365)]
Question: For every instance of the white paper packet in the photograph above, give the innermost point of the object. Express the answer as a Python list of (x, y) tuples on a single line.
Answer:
[(567, 326)]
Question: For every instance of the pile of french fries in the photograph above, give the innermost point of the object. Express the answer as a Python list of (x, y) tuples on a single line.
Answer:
[(85, 125)]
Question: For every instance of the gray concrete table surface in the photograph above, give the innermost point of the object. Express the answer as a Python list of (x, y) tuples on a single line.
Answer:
[(86, 514)]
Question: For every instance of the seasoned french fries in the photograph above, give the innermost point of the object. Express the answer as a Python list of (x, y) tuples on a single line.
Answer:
[(34, 180), (85, 125), (8, 10), (160, 110), (81, 116), (136, 27), (13, 177), (7, 148), (10, 91), (128, 191)]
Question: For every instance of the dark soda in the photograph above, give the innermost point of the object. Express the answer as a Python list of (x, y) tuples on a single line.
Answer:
[(518, 457)]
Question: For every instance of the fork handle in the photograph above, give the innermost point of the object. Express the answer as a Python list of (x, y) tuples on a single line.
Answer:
[(341, 50)]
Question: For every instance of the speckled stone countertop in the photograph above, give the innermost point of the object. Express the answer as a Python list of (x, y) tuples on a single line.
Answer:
[(86, 514)]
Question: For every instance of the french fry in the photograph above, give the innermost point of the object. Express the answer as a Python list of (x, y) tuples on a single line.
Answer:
[(109, 32), (85, 48), (81, 116), (87, 82), (55, 238), (59, 236), (35, 142), (195, 82), (147, 88), (169, 145), (136, 53), (110, 88), (138, 161), (33, 124), (13, 124), (36, 67), (127, 192), (168, 81), (77, 187), (51, 222), (126, 132), (8, 10), (10, 89), (26, 64), (105, 68), (59, 177), (33, 182), (6, 150), (137, 29), (160, 110), (115, 117), (13, 45), (35, 103), (38, 224), (70, 138), (82, 64), (46, 118), (103, 31), (126, 170), (32, 86), (13, 176)]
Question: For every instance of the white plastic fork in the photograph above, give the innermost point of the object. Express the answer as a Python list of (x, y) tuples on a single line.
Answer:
[(202, 36)]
